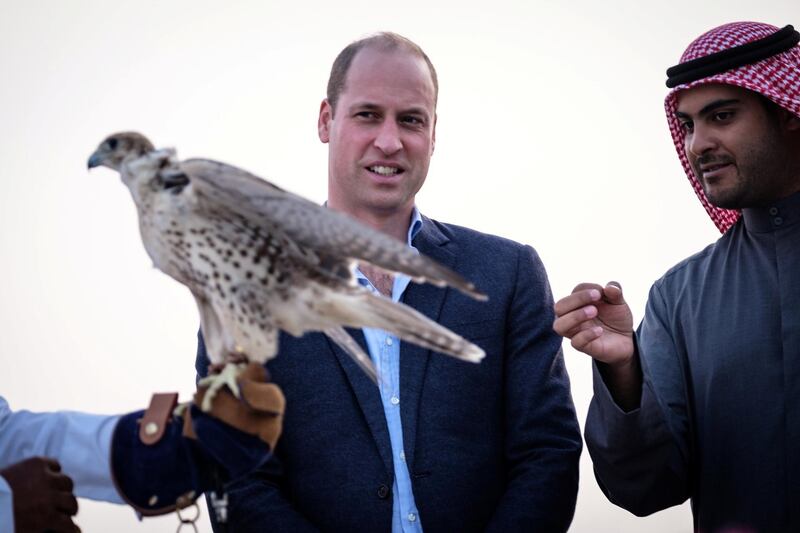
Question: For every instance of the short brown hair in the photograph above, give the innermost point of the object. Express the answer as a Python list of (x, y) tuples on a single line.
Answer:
[(384, 40)]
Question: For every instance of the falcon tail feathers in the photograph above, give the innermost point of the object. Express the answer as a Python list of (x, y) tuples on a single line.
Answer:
[(446, 277), (353, 349), (368, 310)]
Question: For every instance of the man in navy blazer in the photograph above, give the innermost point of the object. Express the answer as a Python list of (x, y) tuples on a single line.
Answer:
[(441, 444)]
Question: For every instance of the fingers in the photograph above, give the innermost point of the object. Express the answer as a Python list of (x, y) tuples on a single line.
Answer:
[(66, 503), (582, 340), (49, 463), (61, 523), (43, 498), (61, 482), (575, 321), (584, 286), (612, 293), (583, 294)]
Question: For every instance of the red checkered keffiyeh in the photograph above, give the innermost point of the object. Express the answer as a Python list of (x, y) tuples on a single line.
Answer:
[(777, 78)]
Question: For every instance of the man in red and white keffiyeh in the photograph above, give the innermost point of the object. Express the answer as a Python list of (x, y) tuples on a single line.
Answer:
[(776, 77), (703, 400)]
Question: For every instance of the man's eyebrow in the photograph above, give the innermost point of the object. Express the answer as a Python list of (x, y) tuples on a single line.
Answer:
[(416, 111), (365, 105), (413, 110), (709, 108)]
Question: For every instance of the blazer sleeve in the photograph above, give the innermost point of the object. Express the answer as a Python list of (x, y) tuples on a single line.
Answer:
[(641, 457), (543, 442), (256, 501)]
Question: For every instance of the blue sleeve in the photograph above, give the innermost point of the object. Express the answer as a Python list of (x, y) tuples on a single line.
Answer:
[(6, 507), (80, 442), (543, 442)]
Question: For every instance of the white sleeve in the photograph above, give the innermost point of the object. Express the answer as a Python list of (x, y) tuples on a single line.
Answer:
[(80, 442)]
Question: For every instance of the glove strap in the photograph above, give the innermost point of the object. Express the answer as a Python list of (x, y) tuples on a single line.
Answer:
[(154, 421)]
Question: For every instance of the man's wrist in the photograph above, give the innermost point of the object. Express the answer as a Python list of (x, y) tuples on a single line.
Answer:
[(625, 364), (624, 381)]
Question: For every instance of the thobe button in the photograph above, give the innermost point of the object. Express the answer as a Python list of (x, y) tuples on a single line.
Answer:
[(412, 517), (778, 221), (773, 211), (383, 492), (395, 400), (389, 341)]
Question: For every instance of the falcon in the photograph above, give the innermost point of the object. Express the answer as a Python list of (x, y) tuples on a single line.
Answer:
[(258, 259)]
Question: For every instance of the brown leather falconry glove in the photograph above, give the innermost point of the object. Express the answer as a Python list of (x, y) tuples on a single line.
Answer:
[(259, 411)]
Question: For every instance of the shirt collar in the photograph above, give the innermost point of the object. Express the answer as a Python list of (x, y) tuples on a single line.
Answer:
[(415, 226), (777, 215), (413, 229)]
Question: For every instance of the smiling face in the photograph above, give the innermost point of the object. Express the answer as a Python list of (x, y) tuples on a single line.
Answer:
[(738, 148), (381, 134)]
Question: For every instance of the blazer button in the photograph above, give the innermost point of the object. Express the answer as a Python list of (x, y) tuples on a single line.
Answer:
[(383, 492)]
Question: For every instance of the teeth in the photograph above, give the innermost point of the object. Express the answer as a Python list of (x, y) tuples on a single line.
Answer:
[(384, 171)]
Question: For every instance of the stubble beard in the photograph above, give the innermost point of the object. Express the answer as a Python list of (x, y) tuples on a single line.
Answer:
[(734, 197), (761, 176)]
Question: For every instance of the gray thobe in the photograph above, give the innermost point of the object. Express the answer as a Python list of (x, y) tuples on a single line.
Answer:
[(719, 420)]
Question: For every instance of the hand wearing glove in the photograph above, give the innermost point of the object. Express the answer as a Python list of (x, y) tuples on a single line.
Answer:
[(161, 461)]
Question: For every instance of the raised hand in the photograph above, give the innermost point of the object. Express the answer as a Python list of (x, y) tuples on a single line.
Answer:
[(598, 321), (600, 324)]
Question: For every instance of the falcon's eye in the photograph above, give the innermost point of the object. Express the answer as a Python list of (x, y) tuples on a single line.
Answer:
[(112, 143)]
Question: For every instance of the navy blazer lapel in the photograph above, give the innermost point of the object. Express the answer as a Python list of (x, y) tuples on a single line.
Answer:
[(368, 396), (428, 300)]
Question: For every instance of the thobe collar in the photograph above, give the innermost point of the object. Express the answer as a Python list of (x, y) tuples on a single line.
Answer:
[(777, 215)]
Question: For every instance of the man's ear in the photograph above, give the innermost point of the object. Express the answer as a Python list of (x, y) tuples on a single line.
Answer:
[(792, 122), (324, 121), (433, 136)]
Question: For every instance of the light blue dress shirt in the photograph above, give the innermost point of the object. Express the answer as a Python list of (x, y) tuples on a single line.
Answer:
[(384, 349), (80, 442)]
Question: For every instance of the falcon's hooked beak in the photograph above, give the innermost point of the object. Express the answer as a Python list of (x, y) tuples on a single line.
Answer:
[(119, 147), (95, 160)]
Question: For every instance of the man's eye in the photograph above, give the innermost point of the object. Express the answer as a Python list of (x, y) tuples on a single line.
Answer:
[(723, 115), (687, 126), (366, 114), (413, 121)]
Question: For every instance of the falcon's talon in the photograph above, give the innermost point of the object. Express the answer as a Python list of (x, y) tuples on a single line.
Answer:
[(227, 377), (180, 409)]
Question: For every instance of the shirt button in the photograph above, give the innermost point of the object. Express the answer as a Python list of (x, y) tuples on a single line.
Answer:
[(773, 211), (778, 221), (395, 400), (412, 517), (403, 455), (389, 341), (383, 492)]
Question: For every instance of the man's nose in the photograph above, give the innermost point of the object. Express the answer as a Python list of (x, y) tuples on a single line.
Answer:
[(700, 141), (388, 138)]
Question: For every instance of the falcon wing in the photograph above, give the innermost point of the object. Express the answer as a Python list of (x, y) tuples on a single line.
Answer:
[(313, 226)]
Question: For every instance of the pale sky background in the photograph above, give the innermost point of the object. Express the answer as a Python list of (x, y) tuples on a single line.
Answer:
[(551, 132)]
